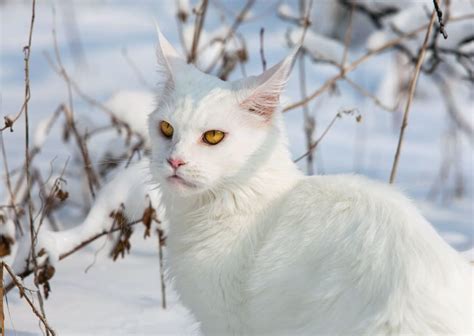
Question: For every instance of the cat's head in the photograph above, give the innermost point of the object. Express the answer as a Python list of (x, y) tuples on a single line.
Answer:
[(205, 132)]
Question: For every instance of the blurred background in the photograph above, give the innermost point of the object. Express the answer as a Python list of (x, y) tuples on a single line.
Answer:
[(93, 80)]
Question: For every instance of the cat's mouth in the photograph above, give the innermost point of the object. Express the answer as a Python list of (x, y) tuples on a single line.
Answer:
[(178, 180)]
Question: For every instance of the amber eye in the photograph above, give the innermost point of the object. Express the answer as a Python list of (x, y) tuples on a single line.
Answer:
[(166, 129), (213, 137)]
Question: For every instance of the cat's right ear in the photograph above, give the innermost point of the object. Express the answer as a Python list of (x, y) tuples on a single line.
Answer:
[(167, 57), (261, 94)]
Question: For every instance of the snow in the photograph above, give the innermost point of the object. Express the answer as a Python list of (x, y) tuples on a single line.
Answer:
[(130, 186), (7, 226), (123, 298), (287, 11), (319, 47), (418, 14), (133, 107)]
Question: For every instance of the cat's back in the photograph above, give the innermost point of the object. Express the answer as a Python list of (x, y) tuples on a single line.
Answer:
[(347, 206), (357, 254)]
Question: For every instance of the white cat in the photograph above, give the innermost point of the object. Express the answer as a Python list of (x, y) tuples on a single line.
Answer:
[(256, 248)]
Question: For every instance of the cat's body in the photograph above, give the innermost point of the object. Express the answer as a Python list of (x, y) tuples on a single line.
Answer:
[(256, 248), (325, 255)]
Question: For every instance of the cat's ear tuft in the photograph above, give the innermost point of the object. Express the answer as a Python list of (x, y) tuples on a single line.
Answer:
[(167, 56), (261, 94)]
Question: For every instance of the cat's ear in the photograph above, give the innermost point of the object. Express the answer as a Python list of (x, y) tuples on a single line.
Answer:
[(261, 94), (167, 57)]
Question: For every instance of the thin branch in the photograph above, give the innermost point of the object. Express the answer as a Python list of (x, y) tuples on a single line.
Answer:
[(376, 16), (348, 36), (326, 130), (26, 51), (21, 288), (262, 54), (28, 271), (161, 243), (352, 66), (233, 28), (95, 237), (309, 125), (411, 90), (367, 94), (29, 201), (2, 314), (199, 23), (456, 116), (92, 177), (9, 187), (181, 18), (440, 19)]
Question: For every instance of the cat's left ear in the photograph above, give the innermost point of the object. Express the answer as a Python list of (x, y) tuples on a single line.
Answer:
[(167, 56), (260, 95)]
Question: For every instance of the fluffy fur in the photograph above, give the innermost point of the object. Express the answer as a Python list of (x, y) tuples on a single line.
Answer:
[(256, 248)]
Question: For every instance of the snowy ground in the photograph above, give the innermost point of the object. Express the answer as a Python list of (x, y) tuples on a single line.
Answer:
[(123, 298)]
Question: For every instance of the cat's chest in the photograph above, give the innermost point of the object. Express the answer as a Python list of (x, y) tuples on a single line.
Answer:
[(209, 261)]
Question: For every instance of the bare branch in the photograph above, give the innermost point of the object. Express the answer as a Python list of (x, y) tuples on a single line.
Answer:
[(2, 314), (199, 23), (21, 288), (262, 54), (369, 95), (411, 93), (9, 187), (352, 66), (323, 134), (348, 36), (233, 28), (440, 19)]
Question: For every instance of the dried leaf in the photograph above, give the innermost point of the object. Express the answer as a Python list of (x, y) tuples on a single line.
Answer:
[(46, 274), (123, 243), (182, 15), (46, 289), (147, 218), (5, 245), (8, 123), (41, 252), (242, 55), (62, 195)]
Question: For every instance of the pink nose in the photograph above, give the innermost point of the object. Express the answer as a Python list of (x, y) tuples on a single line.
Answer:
[(175, 163)]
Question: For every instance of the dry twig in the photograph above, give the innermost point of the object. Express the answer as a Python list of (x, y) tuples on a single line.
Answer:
[(233, 28), (262, 54), (2, 314), (161, 244), (315, 144), (411, 93), (440, 19), (21, 289), (9, 187), (199, 23), (29, 201), (352, 66)]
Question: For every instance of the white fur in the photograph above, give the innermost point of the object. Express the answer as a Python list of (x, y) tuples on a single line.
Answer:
[(256, 248)]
